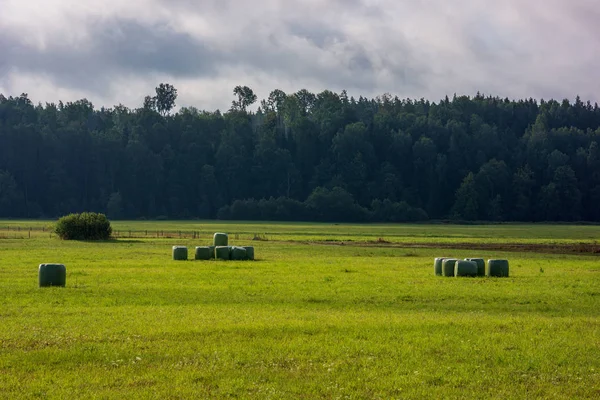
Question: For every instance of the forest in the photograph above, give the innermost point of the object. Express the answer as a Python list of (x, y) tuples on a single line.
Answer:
[(303, 157)]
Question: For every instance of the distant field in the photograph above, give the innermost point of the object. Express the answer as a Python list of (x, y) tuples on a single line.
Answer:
[(395, 233), (308, 319)]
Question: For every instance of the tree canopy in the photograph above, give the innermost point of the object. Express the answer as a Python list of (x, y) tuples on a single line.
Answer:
[(303, 156)]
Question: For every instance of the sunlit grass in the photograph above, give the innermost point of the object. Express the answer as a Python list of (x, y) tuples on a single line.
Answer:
[(303, 321), (394, 233)]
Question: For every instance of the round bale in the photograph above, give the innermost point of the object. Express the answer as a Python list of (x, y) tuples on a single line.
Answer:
[(202, 253), (52, 275), (238, 253), (497, 268), (448, 266), (249, 252), (465, 268), (180, 253), (437, 265), (222, 252), (480, 265), (220, 239)]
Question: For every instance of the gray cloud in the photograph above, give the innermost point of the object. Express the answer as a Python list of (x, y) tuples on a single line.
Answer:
[(109, 52), (116, 48), (319, 34)]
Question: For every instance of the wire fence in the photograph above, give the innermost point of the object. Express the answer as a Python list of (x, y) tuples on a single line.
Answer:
[(29, 232), (23, 232)]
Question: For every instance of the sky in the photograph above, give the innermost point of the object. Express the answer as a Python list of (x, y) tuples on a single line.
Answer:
[(116, 52)]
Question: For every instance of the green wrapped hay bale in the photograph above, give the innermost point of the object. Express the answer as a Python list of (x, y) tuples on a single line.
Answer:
[(52, 275), (448, 266), (437, 265), (465, 268), (249, 252), (480, 265), (220, 239), (180, 253), (222, 252), (497, 268), (202, 253), (238, 253), (212, 252)]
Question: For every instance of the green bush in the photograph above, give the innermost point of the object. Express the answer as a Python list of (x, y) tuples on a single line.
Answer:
[(335, 205), (84, 226), (388, 211)]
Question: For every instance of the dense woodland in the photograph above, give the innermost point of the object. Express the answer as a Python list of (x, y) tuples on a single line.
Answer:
[(303, 156)]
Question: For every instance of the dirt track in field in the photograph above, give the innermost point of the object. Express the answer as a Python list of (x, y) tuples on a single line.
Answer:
[(588, 249)]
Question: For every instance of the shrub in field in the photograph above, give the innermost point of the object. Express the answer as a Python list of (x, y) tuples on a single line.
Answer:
[(83, 226)]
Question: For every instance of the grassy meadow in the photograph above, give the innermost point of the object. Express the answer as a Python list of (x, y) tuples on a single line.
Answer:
[(326, 311)]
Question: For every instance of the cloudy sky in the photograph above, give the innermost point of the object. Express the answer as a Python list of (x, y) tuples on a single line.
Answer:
[(116, 51)]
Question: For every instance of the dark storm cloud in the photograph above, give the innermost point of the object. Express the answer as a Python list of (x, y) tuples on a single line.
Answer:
[(117, 47), (538, 48), (120, 47)]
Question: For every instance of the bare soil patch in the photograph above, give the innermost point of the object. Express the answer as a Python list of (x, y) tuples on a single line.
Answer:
[(562, 248)]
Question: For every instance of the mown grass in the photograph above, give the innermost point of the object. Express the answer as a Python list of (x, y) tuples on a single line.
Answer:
[(303, 321), (393, 233)]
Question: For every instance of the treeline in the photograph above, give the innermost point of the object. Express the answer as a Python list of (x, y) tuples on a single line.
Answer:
[(303, 156)]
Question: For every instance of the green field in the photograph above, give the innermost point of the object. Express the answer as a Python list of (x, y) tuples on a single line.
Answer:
[(326, 311)]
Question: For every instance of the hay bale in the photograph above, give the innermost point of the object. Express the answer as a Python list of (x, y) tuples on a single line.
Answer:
[(212, 252), (497, 268), (448, 266), (202, 253), (238, 253), (437, 265), (180, 253), (222, 252), (52, 275), (465, 268), (249, 252), (220, 239), (480, 265)]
